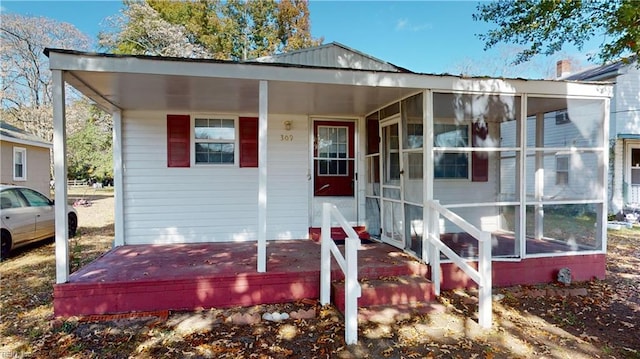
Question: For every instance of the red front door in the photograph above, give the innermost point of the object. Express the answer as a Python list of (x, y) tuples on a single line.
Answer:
[(333, 154)]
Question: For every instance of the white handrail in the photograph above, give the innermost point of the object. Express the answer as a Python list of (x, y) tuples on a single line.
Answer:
[(482, 275), (349, 266)]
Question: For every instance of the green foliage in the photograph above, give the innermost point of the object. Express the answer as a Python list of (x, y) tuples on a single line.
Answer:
[(226, 30), (546, 25), (89, 152)]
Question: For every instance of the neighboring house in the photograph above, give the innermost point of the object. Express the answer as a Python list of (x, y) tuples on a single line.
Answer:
[(624, 130), (26, 159), (209, 151)]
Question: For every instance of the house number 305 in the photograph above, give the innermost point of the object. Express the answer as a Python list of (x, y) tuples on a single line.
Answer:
[(286, 138)]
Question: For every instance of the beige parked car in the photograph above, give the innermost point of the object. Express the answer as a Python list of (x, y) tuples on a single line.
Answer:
[(28, 216)]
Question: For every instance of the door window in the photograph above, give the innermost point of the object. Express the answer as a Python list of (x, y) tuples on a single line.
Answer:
[(10, 199), (333, 143), (334, 158), (34, 198)]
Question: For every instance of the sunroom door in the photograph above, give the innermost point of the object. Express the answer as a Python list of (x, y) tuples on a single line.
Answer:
[(634, 183), (392, 216)]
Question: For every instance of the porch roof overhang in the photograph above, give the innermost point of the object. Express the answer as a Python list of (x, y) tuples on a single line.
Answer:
[(629, 136), (117, 82)]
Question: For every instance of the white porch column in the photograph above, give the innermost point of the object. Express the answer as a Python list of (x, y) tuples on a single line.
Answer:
[(117, 179), (60, 177), (521, 182), (262, 176), (539, 215), (427, 178), (602, 209)]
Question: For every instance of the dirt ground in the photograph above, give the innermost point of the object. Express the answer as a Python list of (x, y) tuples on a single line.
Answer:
[(596, 319)]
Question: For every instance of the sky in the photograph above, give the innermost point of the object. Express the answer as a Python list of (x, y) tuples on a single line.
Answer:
[(423, 36)]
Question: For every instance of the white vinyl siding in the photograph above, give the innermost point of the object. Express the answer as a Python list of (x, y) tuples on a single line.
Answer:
[(208, 203), (625, 105), (625, 120), (287, 178)]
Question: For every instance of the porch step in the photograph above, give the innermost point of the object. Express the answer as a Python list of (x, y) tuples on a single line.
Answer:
[(396, 291), (337, 233)]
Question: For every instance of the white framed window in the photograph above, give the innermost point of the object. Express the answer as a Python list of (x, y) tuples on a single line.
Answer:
[(562, 170), (451, 165), (19, 164), (562, 117), (215, 140)]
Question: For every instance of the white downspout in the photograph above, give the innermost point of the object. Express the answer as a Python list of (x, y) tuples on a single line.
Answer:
[(60, 178), (262, 175)]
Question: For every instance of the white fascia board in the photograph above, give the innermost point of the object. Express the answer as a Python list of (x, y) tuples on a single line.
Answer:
[(25, 142), (256, 71)]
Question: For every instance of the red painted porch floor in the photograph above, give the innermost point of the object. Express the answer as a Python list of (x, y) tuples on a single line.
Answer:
[(190, 276)]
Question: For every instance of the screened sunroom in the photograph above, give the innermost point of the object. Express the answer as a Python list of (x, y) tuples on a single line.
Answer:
[(530, 169)]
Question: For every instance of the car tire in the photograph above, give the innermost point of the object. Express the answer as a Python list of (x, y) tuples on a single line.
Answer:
[(5, 245), (73, 224)]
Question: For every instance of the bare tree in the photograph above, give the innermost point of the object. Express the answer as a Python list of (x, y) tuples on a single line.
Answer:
[(25, 95), (141, 30), (501, 65)]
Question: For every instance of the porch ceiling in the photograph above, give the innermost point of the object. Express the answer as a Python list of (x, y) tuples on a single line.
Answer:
[(136, 91)]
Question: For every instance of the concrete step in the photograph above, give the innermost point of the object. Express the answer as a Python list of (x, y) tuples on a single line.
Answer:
[(397, 290)]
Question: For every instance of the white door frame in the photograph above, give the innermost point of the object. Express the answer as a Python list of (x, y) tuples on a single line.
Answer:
[(348, 206), (628, 166), (397, 239)]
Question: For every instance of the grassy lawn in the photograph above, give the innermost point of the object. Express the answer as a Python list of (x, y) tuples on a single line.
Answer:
[(600, 322)]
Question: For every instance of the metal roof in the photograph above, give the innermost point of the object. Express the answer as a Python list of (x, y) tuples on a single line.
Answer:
[(604, 72), (333, 55)]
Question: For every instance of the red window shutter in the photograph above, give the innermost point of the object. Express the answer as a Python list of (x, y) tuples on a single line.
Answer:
[(248, 142), (178, 140), (479, 160), (373, 137)]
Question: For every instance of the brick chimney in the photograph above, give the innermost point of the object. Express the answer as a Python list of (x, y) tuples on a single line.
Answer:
[(563, 68)]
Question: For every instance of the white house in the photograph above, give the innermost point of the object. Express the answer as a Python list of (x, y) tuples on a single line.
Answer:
[(25, 158), (624, 177), (212, 151)]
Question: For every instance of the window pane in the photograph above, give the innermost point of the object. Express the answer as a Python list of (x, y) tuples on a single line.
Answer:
[(18, 163), (10, 199), (450, 135), (18, 171), (215, 129), (635, 157), (451, 165), (215, 153), (332, 143), (34, 198)]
